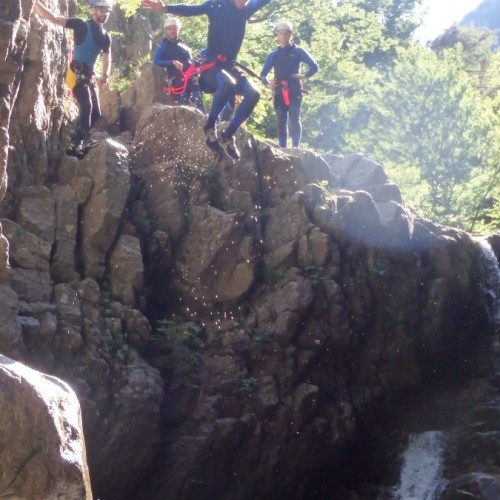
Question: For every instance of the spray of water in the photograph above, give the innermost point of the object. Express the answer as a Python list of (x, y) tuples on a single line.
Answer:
[(421, 472)]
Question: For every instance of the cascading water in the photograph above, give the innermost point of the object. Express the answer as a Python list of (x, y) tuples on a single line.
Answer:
[(456, 455), (491, 291), (421, 473), (492, 288)]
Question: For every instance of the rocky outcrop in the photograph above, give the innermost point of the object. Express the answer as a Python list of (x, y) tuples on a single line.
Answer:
[(258, 312), (13, 42), (43, 449), (345, 299)]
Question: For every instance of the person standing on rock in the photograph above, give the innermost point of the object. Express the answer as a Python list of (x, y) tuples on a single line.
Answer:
[(90, 40), (176, 57), (287, 83), (226, 31)]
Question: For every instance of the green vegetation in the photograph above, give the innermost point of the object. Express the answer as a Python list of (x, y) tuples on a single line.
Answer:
[(430, 115), (180, 344)]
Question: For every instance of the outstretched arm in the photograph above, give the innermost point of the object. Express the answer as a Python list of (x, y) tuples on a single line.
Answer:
[(177, 9), (254, 5), (154, 5), (49, 15)]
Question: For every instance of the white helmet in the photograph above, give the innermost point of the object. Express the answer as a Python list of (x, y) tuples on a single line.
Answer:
[(284, 25), (173, 21), (102, 3)]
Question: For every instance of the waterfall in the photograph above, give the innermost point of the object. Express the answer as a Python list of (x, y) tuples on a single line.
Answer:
[(491, 292), (421, 472), (492, 287)]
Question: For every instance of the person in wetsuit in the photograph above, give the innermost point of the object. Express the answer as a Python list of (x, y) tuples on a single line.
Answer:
[(287, 83), (176, 57), (90, 40), (226, 31)]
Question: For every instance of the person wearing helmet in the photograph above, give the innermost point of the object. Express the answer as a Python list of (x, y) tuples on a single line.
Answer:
[(287, 83), (90, 40), (176, 57), (227, 21)]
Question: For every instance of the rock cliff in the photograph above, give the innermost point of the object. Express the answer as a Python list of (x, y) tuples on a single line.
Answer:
[(228, 328)]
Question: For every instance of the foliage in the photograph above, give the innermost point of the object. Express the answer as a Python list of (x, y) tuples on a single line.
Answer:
[(129, 7), (430, 105), (182, 343)]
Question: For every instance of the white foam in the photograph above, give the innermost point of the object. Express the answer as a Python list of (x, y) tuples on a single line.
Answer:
[(421, 472), (492, 288)]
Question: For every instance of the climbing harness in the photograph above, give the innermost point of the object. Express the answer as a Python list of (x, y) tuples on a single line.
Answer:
[(193, 71), (82, 74), (285, 92), (247, 70)]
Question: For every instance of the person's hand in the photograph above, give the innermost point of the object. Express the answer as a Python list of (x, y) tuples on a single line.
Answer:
[(298, 76), (154, 5), (271, 84), (102, 81), (177, 65)]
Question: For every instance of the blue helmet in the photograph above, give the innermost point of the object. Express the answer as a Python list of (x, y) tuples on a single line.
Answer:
[(102, 3)]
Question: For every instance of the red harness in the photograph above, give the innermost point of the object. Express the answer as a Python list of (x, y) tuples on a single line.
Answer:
[(285, 92), (193, 70)]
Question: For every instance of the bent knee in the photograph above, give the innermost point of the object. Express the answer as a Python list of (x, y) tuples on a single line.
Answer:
[(253, 95)]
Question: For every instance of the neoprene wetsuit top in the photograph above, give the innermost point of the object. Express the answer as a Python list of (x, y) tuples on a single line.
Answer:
[(169, 51), (90, 39), (286, 62), (227, 24)]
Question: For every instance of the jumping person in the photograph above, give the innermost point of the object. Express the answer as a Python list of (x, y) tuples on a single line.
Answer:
[(176, 57), (90, 40), (287, 83), (226, 30)]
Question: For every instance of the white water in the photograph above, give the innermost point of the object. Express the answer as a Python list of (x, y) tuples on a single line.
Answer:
[(421, 473), (492, 288)]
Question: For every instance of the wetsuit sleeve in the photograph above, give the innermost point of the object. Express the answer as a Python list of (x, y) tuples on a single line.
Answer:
[(188, 10), (254, 5), (106, 48), (268, 64), (158, 58), (312, 65), (79, 27)]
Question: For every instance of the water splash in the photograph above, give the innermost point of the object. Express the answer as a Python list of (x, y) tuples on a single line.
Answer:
[(421, 473)]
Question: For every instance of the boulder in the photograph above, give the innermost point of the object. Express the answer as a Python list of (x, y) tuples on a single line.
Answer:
[(43, 447)]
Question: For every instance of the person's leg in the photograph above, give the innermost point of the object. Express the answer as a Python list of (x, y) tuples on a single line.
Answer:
[(281, 110), (295, 123), (227, 110), (224, 88), (96, 105), (83, 98), (182, 98), (251, 95), (194, 93)]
